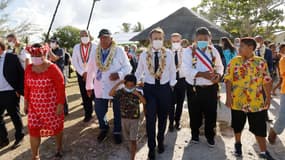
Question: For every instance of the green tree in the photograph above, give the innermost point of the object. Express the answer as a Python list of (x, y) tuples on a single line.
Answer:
[(244, 18), (126, 27), (68, 36), (138, 27)]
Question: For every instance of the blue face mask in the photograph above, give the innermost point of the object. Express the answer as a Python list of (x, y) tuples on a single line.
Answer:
[(202, 44), (130, 90)]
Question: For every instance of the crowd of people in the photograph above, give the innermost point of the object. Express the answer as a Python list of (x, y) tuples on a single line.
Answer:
[(159, 78)]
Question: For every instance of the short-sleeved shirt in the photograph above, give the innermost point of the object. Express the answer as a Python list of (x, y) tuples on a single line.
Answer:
[(60, 62), (129, 104), (248, 78), (282, 73)]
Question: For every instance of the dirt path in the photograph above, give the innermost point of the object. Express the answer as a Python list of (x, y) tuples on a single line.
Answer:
[(80, 139)]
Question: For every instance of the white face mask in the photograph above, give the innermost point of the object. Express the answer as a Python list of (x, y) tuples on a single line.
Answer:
[(37, 60), (157, 44), (11, 44), (53, 45), (176, 45), (85, 40)]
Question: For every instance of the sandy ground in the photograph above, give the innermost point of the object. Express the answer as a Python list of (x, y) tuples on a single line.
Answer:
[(80, 139)]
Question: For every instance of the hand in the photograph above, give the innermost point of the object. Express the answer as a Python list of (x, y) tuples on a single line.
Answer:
[(229, 102), (135, 92), (89, 93), (140, 84), (216, 79), (267, 103), (114, 76), (208, 75), (84, 76), (26, 106), (59, 109), (17, 94)]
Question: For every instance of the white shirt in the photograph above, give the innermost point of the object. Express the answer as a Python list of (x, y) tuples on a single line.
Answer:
[(180, 55), (4, 85), (168, 75), (120, 65), (23, 56), (190, 72), (77, 61)]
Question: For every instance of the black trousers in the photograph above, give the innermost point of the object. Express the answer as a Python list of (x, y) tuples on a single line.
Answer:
[(87, 102), (158, 99), (178, 100), (202, 103), (10, 102)]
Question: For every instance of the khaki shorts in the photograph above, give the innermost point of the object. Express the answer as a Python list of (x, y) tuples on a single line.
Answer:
[(130, 129)]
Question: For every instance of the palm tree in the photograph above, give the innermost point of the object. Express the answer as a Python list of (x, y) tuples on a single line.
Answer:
[(138, 27), (126, 27)]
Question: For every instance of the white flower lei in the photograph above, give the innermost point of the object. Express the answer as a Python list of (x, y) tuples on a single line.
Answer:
[(162, 63), (105, 66)]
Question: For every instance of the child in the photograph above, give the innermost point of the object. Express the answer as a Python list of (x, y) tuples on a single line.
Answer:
[(246, 78), (129, 99)]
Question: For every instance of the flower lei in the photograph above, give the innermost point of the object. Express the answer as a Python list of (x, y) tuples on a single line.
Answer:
[(105, 66), (150, 65)]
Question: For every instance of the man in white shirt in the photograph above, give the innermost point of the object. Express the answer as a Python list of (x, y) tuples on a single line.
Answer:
[(14, 46), (80, 58), (159, 71), (106, 68), (203, 70), (180, 87)]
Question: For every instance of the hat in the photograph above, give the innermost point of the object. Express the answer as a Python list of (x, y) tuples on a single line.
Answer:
[(104, 32), (54, 39)]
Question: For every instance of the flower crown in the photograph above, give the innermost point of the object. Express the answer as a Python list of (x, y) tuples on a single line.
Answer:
[(37, 51)]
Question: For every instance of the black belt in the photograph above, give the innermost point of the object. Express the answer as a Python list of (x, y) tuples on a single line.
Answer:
[(160, 85), (204, 86)]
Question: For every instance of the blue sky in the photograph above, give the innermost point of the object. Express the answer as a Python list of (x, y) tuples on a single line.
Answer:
[(107, 13)]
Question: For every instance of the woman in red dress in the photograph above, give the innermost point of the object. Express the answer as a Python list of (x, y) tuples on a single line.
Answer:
[(44, 99)]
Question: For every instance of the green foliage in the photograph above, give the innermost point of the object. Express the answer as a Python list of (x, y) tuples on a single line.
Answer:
[(246, 17), (68, 36), (138, 27), (126, 27)]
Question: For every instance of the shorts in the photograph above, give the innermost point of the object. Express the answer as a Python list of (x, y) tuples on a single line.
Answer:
[(130, 129), (256, 121)]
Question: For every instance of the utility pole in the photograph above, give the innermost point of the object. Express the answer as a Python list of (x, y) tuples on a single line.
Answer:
[(91, 13), (52, 20)]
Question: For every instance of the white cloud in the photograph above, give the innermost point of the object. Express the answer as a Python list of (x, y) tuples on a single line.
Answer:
[(107, 13)]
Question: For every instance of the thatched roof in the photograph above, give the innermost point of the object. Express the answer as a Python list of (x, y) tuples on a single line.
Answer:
[(185, 22)]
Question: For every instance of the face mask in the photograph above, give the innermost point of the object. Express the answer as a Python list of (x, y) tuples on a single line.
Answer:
[(176, 45), (11, 44), (85, 40), (202, 44), (53, 45), (37, 60), (157, 44), (237, 44), (130, 90)]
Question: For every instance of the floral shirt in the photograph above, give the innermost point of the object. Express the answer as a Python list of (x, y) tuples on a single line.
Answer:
[(248, 78), (129, 104)]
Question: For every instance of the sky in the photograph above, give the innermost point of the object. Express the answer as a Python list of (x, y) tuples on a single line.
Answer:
[(108, 14)]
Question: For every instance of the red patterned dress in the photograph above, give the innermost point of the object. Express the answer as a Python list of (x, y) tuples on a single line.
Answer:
[(44, 91)]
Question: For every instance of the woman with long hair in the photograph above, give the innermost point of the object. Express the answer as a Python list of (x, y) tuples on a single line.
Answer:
[(229, 50)]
